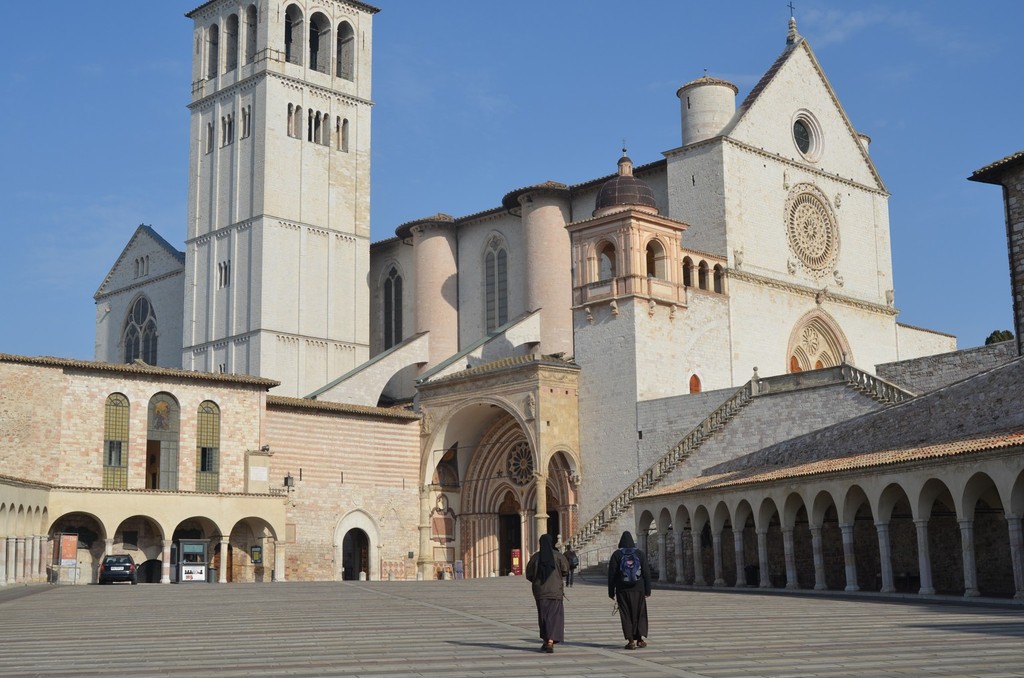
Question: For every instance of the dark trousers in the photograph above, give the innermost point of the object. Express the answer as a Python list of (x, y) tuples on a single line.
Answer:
[(568, 577), (632, 612)]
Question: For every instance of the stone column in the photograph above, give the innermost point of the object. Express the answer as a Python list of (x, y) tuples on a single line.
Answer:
[(762, 558), (3, 561), (716, 552), (32, 544), (924, 561), (1016, 553), (424, 564), (165, 566), (819, 560), (662, 545), (698, 564), (19, 559), (108, 547), (741, 570), (541, 519), (12, 554), (680, 578), (525, 541), (279, 561), (222, 576), (790, 554), (885, 556), (849, 557), (967, 549), (45, 549)]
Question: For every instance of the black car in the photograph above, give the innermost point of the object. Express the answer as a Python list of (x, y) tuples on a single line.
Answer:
[(118, 568)]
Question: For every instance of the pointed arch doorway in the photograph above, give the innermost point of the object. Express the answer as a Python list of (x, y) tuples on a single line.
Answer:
[(355, 555)]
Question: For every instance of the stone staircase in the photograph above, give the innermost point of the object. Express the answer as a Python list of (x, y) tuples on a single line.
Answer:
[(873, 387), (651, 477)]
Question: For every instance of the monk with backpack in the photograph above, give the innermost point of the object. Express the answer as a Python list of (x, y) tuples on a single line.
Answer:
[(629, 585)]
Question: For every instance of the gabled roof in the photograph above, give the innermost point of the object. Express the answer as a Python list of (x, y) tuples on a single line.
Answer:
[(993, 172), (141, 231), (796, 44)]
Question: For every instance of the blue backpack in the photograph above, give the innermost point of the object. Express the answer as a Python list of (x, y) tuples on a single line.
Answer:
[(629, 565)]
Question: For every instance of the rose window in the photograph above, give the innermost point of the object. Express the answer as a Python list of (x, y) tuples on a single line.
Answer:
[(520, 463), (811, 229)]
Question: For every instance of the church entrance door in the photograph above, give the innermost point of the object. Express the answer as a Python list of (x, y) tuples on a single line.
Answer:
[(509, 537), (355, 555)]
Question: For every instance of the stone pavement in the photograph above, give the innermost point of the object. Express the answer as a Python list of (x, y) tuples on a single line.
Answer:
[(487, 627)]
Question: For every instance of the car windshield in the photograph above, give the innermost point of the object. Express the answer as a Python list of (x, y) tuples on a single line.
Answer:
[(118, 560)]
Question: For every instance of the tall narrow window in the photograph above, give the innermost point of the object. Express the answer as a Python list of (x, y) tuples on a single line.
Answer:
[(606, 262), (231, 43), (162, 443), (719, 279), (496, 284), (212, 51), (346, 51), (250, 34), (208, 447), (115, 443), (293, 31), (655, 260), (702, 275), (210, 137), (392, 308), (343, 134), (309, 125), (139, 335), (694, 383), (687, 271)]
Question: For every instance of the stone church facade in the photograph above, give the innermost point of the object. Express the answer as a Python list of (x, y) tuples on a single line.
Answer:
[(431, 403)]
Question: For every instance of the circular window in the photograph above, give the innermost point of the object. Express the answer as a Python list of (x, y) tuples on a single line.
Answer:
[(811, 229), (807, 135), (519, 464)]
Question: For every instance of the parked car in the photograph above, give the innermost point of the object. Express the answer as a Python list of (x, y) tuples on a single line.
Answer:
[(118, 568)]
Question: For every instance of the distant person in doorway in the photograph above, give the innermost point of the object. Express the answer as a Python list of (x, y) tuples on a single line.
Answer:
[(547, 569), (574, 562), (629, 585)]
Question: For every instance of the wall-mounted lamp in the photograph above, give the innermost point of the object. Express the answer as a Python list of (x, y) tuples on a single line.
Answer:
[(289, 482)]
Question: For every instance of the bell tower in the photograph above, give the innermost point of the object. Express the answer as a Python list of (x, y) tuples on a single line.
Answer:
[(277, 251)]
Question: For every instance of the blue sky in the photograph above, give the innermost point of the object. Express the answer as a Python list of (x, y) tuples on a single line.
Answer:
[(474, 99)]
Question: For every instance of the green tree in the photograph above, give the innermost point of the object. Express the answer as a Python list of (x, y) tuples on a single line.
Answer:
[(998, 336)]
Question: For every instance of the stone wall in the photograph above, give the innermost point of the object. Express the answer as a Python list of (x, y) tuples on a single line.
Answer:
[(921, 375)]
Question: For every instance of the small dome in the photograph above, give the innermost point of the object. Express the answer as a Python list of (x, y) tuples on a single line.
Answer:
[(625, 190)]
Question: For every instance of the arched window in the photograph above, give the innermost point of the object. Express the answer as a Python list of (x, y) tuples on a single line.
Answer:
[(496, 284), (346, 51), (208, 447), (392, 308), (162, 443), (655, 260), (342, 134), (231, 43), (212, 51), (694, 383), (606, 262), (702, 275), (115, 443), (293, 35), (719, 279), (687, 271), (320, 43), (250, 34), (139, 336)]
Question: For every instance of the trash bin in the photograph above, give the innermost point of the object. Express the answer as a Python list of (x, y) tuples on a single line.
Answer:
[(211, 575)]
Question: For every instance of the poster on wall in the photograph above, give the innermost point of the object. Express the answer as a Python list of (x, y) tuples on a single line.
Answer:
[(193, 572), (257, 555)]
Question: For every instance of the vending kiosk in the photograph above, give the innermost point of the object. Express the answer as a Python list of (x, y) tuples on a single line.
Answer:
[(192, 560)]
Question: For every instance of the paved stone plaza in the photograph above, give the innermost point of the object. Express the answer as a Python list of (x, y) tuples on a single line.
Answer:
[(487, 627)]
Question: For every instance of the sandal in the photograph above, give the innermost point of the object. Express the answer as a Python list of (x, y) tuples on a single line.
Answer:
[(630, 646), (549, 647), (641, 643)]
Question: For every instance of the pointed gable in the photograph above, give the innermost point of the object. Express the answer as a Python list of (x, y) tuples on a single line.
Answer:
[(796, 86), (163, 259)]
